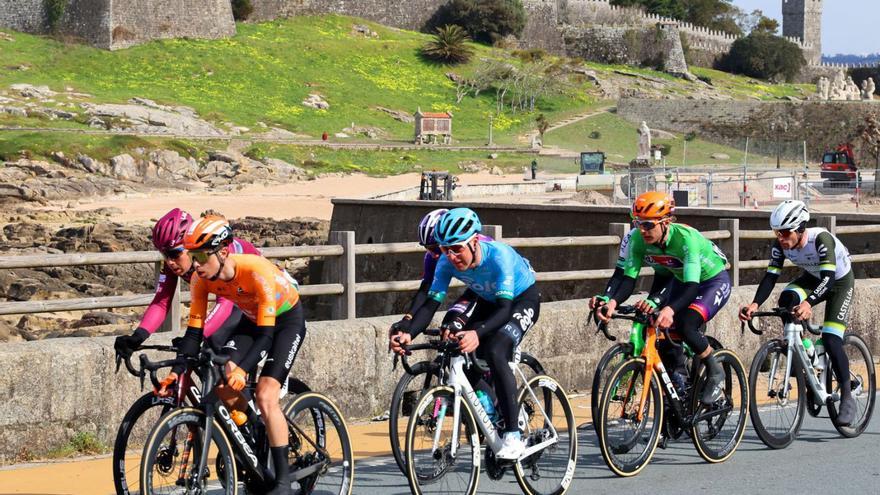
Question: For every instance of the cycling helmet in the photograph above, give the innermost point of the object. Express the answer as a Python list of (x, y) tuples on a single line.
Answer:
[(427, 226), (653, 205), (209, 234), (457, 226), (169, 231), (791, 214)]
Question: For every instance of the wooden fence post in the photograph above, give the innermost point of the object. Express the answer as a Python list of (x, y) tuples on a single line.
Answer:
[(172, 319), (342, 271), (493, 231), (730, 246), (827, 222), (620, 230)]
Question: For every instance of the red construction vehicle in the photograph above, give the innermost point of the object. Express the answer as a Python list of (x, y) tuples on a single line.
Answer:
[(839, 166)]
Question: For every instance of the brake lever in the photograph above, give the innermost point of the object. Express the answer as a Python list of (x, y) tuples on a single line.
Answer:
[(394, 362), (118, 363)]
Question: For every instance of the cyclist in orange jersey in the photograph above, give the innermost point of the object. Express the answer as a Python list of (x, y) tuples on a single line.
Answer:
[(274, 325)]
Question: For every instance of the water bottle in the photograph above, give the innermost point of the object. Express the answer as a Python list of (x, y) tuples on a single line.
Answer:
[(239, 417), (819, 363), (811, 351), (487, 404)]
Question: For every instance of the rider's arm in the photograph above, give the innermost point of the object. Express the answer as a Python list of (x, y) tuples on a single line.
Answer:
[(774, 269), (262, 344), (156, 312), (501, 315), (459, 309), (436, 295), (624, 289), (825, 246), (192, 338), (632, 265), (218, 315), (660, 287), (690, 276), (617, 277)]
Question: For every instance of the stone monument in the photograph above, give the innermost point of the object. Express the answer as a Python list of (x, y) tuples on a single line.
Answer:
[(644, 142)]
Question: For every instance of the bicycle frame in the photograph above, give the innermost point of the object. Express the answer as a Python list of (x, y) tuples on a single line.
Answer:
[(462, 388), (795, 349)]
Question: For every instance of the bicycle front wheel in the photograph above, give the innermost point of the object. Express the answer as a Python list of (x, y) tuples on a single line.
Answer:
[(776, 402), (609, 361), (442, 455), (718, 429), (628, 436), (863, 386), (173, 452), (407, 392), (321, 458), (548, 420)]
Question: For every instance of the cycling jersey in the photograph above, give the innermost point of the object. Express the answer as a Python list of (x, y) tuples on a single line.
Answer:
[(823, 251), (502, 274), (432, 258), (158, 308), (260, 289), (624, 248), (687, 255)]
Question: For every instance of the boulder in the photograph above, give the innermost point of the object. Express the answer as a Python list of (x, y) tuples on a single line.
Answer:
[(31, 91), (720, 156), (125, 167), (496, 170), (316, 101), (169, 164), (224, 156)]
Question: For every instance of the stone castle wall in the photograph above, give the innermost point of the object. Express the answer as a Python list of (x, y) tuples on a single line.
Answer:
[(138, 21), (23, 15), (412, 16)]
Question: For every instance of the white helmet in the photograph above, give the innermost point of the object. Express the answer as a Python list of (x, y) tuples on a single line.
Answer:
[(791, 214), (427, 225)]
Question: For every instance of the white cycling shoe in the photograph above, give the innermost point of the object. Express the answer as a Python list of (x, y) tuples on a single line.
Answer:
[(512, 448)]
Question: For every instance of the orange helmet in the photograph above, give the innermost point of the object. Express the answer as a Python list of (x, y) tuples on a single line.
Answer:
[(208, 234), (653, 205)]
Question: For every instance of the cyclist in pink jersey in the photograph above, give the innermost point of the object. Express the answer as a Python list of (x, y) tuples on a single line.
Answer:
[(167, 237)]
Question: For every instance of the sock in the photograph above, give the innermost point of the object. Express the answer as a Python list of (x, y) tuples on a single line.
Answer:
[(279, 461)]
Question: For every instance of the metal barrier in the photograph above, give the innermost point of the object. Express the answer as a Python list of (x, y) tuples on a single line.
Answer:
[(341, 253)]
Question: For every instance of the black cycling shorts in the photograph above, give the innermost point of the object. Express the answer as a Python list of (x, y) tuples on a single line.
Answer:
[(290, 332)]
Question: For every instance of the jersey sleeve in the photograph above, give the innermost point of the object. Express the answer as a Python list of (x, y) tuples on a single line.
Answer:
[(632, 263), (264, 292), (825, 247), (777, 259), (442, 278), (624, 249), (692, 259), (244, 247), (156, 312), (199, 304), (505, 272), (428, 268)]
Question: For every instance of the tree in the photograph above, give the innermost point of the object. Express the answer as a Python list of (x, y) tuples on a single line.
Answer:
[(764, 56), (449, 46), (486, 21), (869, 135), (720, 15)]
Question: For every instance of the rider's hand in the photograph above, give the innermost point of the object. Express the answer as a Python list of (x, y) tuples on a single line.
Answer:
[(451, 327), (664, 317), (745, 312), (236, 377), (802, 311), (607, 311), (164, 385), (468, 340), (127, 344), (645, 306), (597, 301), (399, 326), (399, 341)]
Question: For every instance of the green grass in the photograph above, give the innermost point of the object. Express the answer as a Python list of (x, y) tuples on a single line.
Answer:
[(41, 145), (81, 444), (741, 87)]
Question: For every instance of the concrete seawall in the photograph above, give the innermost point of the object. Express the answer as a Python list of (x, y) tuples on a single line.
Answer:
[(57, 388)]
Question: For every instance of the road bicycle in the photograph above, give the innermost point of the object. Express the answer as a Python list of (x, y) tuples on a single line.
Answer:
[(415, 381), (148, 408), (449, 425), (785, 381), (201, 449), (640, 404)]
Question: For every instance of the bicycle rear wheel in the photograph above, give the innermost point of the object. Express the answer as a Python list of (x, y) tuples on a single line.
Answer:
[(321, 458), (171, 457), (628, 442), (435, 462), (863, 385), (776, 402), (548, 416), (718, 429)]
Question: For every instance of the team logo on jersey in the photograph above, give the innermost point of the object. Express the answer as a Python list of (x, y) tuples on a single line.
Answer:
[(663, 260)]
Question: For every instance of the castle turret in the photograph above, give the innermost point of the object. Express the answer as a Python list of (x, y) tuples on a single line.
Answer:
[(802, 19)]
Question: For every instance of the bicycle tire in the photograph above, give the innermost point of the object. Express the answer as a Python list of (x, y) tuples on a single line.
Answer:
[(868, 388), (630, 372), (552, 389), (321, 408), (733, 367), (400, 401), (194, 421), (438, 479), (607, 364), (760, 397), (121, 473)]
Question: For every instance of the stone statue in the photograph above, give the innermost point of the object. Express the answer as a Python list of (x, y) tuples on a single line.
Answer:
[(853, 92), (824, 88), (644, 142), (838, 87), (870, 88)]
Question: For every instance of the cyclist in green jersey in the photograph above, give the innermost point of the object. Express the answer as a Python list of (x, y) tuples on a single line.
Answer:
[(690, 284)]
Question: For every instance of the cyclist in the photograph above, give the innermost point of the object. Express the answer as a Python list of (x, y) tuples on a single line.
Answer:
[(460, 311), (827, 276), (273, 324), (508, 305), (167, 237), (617, 276), (690, 283)]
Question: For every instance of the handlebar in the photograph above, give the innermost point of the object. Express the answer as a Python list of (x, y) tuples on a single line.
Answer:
[(140, 373), (630, 313), (779, 313), (206, 356), (448, 347)]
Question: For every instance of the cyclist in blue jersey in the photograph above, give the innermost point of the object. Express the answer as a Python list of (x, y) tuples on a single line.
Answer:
[(508, 306)]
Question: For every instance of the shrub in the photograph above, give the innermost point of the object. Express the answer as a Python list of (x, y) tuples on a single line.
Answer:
[(486, 21), (449, 46), (55, 11), (530, 55), (764, 56), (595, 135), (242, 9)]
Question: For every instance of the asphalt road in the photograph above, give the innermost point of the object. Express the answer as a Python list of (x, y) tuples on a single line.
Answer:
[(819, 461)]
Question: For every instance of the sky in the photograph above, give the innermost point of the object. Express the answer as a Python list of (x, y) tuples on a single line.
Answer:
[(846, 24)]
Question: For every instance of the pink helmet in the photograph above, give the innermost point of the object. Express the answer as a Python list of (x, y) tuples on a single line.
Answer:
[(169, 230)]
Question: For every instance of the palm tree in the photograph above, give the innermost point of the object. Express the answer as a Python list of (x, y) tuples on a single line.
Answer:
[(449, 46)]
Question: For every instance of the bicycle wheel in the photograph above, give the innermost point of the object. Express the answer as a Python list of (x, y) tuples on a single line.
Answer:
[(532, 365), (319, 446), (135, 426), (718, 429), (548, 416), (777, 420), (406, 394), (436, 462), (609, 361), (171, 457), (628, 442), (863, 383)]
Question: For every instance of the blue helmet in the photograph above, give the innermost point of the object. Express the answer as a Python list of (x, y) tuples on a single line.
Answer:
[(457, 226)]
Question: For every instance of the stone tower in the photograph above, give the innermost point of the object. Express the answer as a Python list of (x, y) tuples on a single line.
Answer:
[(803, 19)]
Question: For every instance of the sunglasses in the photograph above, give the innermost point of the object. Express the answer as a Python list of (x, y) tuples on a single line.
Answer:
[(454, 250), (783, 232), (173, 254), (201, 257), (645, 224)]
